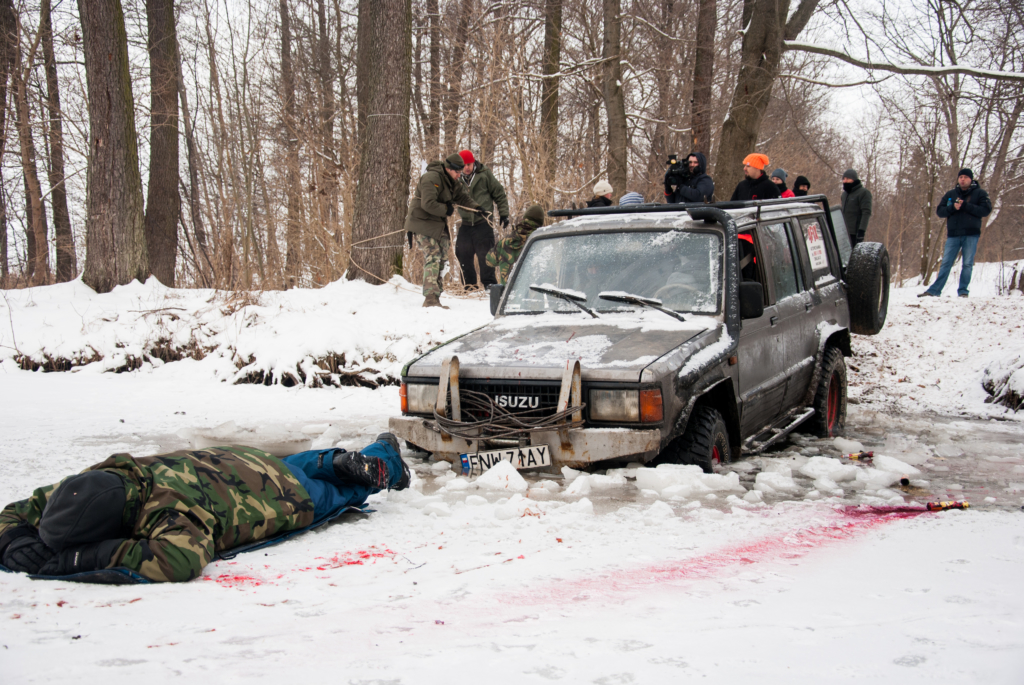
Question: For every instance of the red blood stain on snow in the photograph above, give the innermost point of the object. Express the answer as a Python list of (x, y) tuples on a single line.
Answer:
[(357, 558), (847, 523), (234, 580)]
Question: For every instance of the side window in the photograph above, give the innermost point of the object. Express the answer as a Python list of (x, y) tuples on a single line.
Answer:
[(817, 251), (779, 256)]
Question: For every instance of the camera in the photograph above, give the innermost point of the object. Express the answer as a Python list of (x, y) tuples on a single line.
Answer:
[(678, 172)]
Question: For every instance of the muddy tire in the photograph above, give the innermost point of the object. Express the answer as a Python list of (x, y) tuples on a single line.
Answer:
[(867, 278), (705, 442), (829, 418)]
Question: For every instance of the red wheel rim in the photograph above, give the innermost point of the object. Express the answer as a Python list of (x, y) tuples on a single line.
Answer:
[(833, 403), (716, 456)]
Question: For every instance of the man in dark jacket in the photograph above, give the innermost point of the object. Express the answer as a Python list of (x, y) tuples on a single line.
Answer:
[(433, 201), (755, 185), (694, 186), (164, 518), (801, 186), (856, 202), (476, 236), (963, 208)]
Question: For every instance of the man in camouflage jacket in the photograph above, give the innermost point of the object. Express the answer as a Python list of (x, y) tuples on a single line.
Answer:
[(433, 201), (504, 255), (165, 517)]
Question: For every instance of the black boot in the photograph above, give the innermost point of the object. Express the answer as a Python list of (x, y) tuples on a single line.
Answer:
[(392, 441), (355, 467)]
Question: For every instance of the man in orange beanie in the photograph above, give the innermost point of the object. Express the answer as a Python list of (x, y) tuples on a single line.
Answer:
[(755, 185)]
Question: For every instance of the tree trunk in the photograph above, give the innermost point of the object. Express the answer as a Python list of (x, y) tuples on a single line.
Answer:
[(203, 264), (662, 140), (703, 76), (40, 256), (329, 174), (453, 98), (614, 101), (761, 51), (7, 46), (67, 260), (163, 203), (549, 94), (293, 237), (385, 38), (433, 126), (115, 239)]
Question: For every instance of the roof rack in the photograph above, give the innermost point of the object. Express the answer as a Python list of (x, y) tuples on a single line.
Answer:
[(683, 206)]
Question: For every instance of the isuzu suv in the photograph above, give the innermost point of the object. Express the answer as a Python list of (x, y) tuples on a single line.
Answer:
[(670, 333)]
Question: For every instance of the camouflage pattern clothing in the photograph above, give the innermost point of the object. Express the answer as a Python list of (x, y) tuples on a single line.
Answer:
[(182, 508), (435, 253), (434, 194), (505, 253)]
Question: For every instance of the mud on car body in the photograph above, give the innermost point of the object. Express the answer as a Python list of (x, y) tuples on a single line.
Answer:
[(701, 332)]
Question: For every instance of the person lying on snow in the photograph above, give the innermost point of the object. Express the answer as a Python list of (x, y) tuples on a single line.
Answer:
[(166, 517)]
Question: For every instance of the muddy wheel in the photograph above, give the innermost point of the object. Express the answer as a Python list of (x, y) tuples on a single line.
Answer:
[(830, 397), (867, 276), (705, 442)]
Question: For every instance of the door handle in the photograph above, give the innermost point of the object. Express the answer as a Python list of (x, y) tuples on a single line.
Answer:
[(774, 320), (807, 306)]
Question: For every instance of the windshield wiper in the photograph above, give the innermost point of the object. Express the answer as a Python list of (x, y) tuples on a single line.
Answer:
[(642, 301), (569, 296)]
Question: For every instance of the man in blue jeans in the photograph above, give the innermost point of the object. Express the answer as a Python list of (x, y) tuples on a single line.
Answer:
[(963, 209)]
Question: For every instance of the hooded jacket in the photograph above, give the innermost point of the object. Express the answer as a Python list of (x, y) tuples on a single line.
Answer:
[(428, 207), (760, 189), (966, 220), (856, 210), (502, 257), (698, 187), (487, 192)]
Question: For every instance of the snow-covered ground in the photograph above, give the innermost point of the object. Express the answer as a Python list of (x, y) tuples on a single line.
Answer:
[(784, 568)]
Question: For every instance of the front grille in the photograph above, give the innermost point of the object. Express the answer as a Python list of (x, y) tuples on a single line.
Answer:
[(517, 397)]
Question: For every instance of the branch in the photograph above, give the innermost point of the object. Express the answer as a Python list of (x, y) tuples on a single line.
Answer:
[(799, 20), (905, 69)]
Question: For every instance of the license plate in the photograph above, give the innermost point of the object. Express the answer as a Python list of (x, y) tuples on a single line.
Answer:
[(530, 457)]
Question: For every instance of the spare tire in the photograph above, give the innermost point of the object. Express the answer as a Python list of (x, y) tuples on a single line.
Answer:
[(867, 279)]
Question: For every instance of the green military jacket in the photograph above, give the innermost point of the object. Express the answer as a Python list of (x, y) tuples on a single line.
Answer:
[(506, 251), (488, 193), (428, 209), (185, 507)]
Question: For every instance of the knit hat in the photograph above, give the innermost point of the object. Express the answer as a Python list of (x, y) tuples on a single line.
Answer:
[(534, 215), (85, 508), (966, 172), (780, 173), (801, 181), (756, 160), (631, 199), (851, 174), (467, 157), (454, 162), (602, 188)]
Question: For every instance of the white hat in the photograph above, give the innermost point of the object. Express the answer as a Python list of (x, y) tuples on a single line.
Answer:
[(602, 188)]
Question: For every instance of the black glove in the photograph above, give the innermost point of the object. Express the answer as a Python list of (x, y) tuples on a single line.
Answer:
[(504, 222), (12, 534), (28, 554), (80, 559), (451, 208)]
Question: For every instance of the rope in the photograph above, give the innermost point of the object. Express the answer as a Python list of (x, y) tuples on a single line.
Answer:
[(499, 422)]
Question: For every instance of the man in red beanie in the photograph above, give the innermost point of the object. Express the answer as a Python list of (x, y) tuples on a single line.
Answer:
[(755, 185), (476, 237)]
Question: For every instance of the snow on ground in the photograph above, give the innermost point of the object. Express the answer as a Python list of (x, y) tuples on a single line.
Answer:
[(765, 571)]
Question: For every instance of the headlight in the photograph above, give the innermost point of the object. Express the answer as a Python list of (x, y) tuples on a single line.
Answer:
[(615, 405), (420, 398)]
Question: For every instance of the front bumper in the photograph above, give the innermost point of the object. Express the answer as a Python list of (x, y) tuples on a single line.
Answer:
[(583, 445)]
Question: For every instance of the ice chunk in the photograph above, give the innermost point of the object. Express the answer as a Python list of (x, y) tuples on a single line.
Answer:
[(828, 486), (777, 481), (657, 513), (570, 474), (583, 506), (599, 482), (502, 476), (476, 500), (847, 446), (457, 484), (893, 464), (516, 507), (579, 487), (438, 509), (549, 485), (873, 478), (753, 496), (773, 466), (441, 467), (831, 469)]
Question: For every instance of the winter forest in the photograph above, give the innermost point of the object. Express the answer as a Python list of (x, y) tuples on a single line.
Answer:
[(271, 144)]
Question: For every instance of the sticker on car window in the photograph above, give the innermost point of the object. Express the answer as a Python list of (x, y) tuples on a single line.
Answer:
[(816, 247)]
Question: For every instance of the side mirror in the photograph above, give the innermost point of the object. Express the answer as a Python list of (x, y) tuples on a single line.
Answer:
[(751, 300), (495, 291)]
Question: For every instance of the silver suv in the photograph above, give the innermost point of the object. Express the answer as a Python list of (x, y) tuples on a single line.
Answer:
[(669, 333)]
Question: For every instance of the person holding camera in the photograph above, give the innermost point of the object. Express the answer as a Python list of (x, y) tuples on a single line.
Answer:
[(688, 182), (963, 208)]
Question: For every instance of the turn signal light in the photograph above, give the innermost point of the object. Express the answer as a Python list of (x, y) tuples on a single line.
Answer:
[(403, 395), (651, 410)]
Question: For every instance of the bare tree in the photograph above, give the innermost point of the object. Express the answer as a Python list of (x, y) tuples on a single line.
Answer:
[(552, 65), (703, 76), (614, 100), (115, 242), (7, 46), (385, 31), (67, 260), (293, 236)]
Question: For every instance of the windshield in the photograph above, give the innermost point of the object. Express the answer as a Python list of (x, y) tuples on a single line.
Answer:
[(680, 268)]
